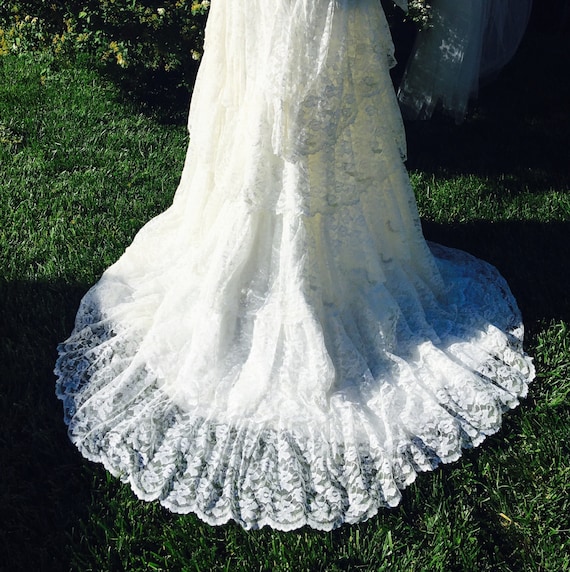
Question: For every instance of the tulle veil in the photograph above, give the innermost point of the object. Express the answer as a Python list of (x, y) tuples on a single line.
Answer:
[(466, 42)]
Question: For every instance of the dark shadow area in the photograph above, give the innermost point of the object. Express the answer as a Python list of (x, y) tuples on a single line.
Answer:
[(533, 257), (161, 94), (519, 128), (46, 485)]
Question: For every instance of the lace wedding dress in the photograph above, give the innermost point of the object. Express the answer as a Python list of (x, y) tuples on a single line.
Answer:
[(281, 347)]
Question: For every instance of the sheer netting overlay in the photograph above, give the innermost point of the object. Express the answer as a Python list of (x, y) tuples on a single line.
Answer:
[(281, 347), (467, 41)]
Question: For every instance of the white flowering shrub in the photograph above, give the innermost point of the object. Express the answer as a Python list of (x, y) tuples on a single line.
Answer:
[(419, 12)]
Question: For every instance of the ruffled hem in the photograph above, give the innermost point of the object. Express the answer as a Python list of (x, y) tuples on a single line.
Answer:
[(280, 347), (259, 476), (341, 466)]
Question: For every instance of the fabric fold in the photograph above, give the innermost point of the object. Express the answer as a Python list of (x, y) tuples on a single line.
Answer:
[(281, 346)]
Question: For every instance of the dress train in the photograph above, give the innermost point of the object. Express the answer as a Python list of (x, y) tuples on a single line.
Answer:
[(281, 346)]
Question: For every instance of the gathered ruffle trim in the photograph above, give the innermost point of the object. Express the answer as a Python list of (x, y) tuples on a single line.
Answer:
[(256, 474)]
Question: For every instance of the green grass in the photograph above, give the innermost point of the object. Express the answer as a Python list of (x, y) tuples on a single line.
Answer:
[(81, 169)]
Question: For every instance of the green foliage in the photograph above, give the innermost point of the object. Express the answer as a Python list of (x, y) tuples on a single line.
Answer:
[(22, 35), (137, 37), (419, 12), (141, 36)]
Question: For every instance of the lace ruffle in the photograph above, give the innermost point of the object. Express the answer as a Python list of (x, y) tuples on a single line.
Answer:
[(281, 346), (337, 462)]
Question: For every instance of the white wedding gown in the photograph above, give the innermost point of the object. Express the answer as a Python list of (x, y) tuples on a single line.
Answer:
[(281, 347)]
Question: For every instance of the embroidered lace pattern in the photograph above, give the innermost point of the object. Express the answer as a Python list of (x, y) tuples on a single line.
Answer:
[(281, 347)]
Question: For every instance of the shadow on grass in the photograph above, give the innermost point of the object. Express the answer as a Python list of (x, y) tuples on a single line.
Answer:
[(158, 93), (519, 129), (534, 258), (47, 486)]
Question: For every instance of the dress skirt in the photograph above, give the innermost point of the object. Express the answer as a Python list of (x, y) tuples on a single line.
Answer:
[(281, 346)]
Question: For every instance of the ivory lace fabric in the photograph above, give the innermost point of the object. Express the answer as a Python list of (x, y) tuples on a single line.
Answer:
[(281, 347), (467, 41)]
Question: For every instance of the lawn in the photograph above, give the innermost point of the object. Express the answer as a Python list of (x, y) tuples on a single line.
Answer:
[(82, 167)]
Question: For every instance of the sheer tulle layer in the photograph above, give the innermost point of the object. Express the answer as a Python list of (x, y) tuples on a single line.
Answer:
[(466, 42), (281, 346)]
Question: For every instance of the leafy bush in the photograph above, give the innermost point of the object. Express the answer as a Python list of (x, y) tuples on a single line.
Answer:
[(161, 34), (419, 12), (141, 35), (148, 42)]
